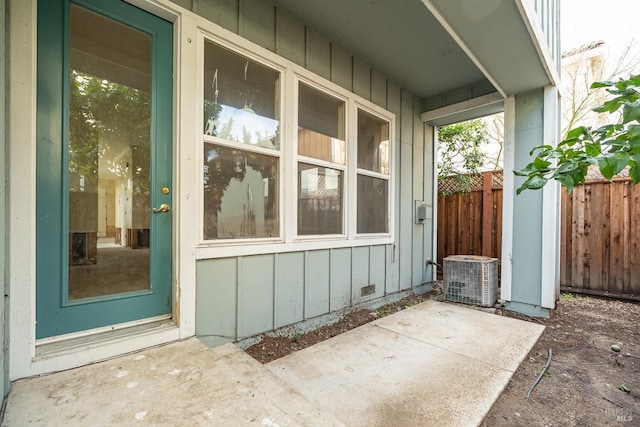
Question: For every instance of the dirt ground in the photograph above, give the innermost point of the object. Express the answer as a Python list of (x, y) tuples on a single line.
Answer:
[(582, 388), (583, 381)]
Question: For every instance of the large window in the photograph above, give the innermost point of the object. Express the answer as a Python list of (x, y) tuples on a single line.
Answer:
[(322, 157), (290, 158), (242, 146)]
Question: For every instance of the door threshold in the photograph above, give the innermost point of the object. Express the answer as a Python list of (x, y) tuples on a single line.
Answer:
[(108, 343)]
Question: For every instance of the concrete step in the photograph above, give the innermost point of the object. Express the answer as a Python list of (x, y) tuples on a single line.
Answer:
[(184, 383)]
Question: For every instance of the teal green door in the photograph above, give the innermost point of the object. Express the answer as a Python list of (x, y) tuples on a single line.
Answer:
[(104, 156)]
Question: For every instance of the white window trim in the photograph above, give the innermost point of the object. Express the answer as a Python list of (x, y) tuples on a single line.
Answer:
[(291, 75)]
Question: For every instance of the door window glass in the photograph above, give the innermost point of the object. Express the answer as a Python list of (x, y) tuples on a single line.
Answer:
[(109, 156)]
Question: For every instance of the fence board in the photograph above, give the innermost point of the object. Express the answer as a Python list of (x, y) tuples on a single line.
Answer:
[(626, 239), (616, 240), (462, 210), (634, 244), (475, 206), (452, 220), (496, 231), (566, 207), (604, 233), (442, 224), (577, 226)]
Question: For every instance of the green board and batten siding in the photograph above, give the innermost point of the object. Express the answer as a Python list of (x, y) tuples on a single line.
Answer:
[(244, 296), (526, 256)]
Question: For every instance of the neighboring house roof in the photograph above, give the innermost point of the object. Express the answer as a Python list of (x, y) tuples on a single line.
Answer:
[(582, 49), (594, 173)]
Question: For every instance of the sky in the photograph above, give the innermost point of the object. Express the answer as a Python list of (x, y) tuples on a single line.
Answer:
[(586, 21)]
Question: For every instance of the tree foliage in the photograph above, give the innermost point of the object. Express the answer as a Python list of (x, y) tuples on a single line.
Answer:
[(583, 66), (611, 147), (460, 153), (97, 109)]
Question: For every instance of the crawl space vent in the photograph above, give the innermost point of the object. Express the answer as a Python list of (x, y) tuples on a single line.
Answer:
[(471, 279)]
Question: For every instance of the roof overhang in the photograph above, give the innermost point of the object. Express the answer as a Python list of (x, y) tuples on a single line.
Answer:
[(432, 47)]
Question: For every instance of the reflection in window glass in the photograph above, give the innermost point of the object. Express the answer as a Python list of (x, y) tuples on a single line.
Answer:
[(241, 98), (109, 146), (319, 200), (240, 194), (320, 125), (373, 143), (373, 205)]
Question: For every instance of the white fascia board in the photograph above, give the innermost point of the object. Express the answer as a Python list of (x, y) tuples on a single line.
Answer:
[(530, 18), (459, 107)]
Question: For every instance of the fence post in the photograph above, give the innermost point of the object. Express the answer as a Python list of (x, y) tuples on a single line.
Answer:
[(487, 213)]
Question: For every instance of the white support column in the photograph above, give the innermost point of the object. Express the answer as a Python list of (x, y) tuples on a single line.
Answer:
[(530, 238), (434, 202), (189, 49), (4, 376), (508, 198), (550, 285), (21, 140)]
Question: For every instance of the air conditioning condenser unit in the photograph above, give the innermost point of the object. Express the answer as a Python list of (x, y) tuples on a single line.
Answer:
[(471, 279)]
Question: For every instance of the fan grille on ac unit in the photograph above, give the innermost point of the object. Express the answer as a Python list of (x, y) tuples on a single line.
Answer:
[(471, 279)]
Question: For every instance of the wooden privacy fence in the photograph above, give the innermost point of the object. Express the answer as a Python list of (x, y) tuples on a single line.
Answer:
[(471, 223), (599, 237)]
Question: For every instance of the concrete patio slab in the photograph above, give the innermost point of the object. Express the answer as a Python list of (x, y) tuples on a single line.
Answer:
[(432, 364), (497, 340), (184, 383)]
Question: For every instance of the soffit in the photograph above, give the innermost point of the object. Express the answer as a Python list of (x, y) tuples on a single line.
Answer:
[(433, 46)]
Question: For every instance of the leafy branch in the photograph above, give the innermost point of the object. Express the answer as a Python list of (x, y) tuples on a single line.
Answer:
[(611, 147), (460, 152)]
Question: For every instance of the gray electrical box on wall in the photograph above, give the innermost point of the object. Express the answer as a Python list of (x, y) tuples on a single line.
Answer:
[(423, 211)]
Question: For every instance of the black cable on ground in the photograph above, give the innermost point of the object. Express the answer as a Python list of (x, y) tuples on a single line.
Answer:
[(544, 370)]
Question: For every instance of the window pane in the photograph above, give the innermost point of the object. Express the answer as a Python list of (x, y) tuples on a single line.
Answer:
[(373, 143), (373, 205), (320, 125), (319, 200), (241, 98), (240, 194)]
